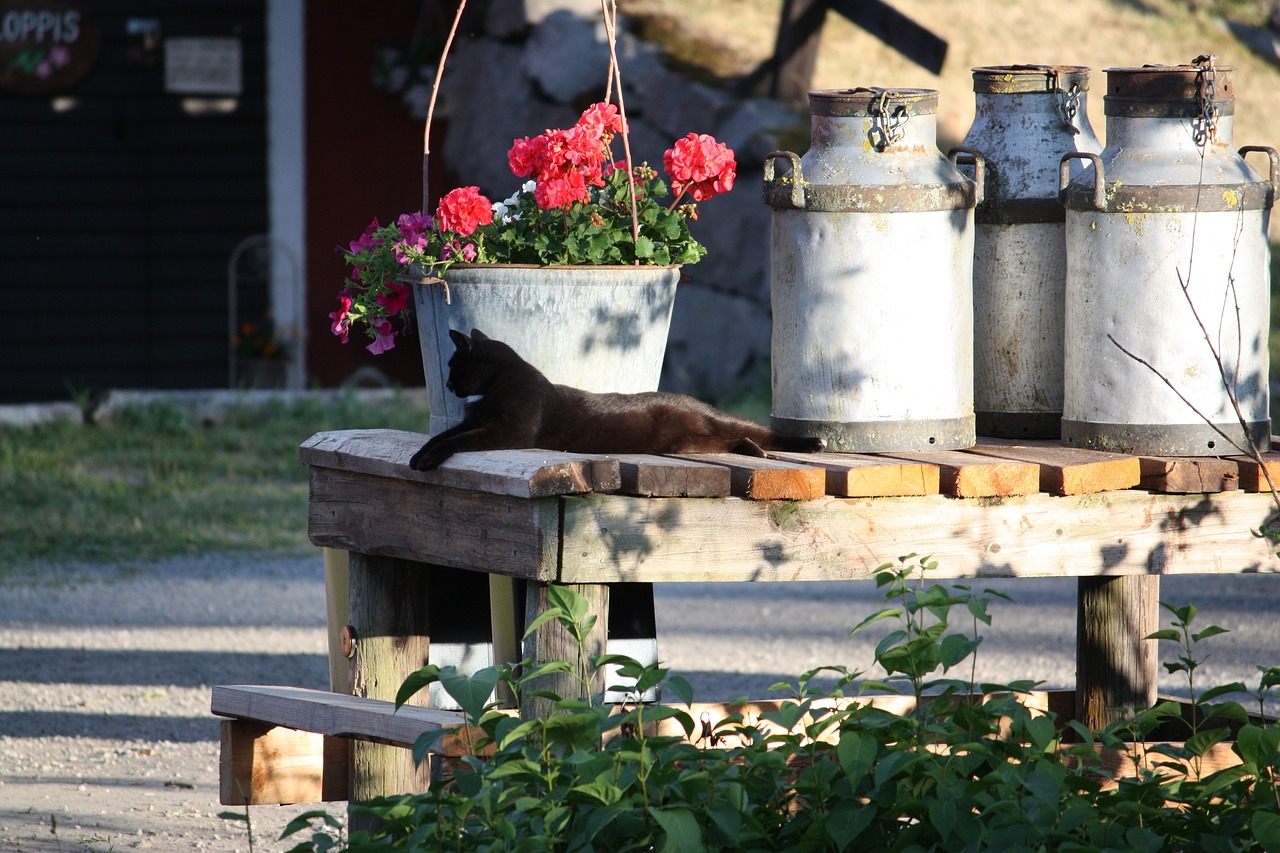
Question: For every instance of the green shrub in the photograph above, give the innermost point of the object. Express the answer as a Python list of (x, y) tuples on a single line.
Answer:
[(972, 768)]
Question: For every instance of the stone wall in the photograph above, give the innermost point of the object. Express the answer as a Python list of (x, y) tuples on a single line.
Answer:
[(536, 65)]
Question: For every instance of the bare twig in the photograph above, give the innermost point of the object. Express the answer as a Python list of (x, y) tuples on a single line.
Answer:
[(431, 107), (609, 10)]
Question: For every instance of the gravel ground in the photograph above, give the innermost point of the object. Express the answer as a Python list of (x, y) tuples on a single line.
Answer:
[(107, 743)]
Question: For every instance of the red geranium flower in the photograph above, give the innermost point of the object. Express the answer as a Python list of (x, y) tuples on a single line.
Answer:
[(464, 210), (700, 166)]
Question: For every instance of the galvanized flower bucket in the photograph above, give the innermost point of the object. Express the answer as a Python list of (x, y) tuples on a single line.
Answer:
[(600, 328)]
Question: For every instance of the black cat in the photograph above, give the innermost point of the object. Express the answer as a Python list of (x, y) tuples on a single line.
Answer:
[(521, 408)]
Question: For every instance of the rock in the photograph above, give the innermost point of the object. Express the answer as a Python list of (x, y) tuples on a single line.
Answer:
[(37, 414), (506, 19), (755, 127), (567, 58), (718, 344)]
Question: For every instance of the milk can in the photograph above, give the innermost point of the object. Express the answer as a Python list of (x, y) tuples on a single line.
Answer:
[(1167, 301), (871, 277), (1026, 118)]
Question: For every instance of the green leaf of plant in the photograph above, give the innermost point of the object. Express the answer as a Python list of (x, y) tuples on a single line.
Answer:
[(423, 743), (856, 754), (569, 600), (887, 613), (601, 792), (679, 687), (644, 248), (472, 693), (543, 618), (1164, 634), (1266, 830), (682, 832), (1223, 690), (1201, 742), (1211, 631), (429, 674)]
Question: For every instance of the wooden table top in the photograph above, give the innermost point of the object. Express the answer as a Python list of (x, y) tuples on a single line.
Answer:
[(1002, 508)]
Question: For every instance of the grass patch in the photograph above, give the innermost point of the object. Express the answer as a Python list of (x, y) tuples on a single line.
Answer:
[(157, 484)]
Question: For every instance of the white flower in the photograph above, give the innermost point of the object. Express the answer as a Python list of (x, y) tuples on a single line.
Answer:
[(529, 186), (500, 208)]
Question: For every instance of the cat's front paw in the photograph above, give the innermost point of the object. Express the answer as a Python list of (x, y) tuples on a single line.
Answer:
[(427, 459)]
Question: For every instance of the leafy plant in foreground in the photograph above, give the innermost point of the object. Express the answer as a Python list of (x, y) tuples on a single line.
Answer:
[(968, 767)]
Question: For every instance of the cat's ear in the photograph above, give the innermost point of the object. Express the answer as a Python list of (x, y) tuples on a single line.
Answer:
[(477, 335), (461, 341)]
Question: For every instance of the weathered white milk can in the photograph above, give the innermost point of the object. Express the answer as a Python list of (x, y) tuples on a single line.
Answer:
[(871, 277), (1026, 118), (1167, 305)]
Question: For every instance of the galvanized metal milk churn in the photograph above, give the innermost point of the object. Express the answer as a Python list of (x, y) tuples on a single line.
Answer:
[(871, 277), (1168, 288), (1026, 118)]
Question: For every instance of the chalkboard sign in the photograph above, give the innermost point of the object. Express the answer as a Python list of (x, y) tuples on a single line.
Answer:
[(202, 66), (46, 46)]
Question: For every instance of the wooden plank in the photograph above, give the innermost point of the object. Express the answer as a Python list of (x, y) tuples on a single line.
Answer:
[(334, 714), (609, 539), (1251, 477), (972, 475), (519, 473), (1189, 474), (1069, 470), (1116, 666), (856, 475), (263, 764), (498, 534), (766, 479), (670, 477)]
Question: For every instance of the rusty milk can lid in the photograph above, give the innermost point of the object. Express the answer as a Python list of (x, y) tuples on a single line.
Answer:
[(1020, 79), (1168, 91), (868, 100)]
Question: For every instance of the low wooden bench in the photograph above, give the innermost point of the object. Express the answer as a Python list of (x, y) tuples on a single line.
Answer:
[(520, 520)]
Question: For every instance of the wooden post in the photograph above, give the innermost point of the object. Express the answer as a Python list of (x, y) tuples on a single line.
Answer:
[(551, 642), (1116, 669), (388, 598), (796, 51), (338, 611)]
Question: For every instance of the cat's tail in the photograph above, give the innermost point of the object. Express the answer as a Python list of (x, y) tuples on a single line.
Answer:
[(779, 441)]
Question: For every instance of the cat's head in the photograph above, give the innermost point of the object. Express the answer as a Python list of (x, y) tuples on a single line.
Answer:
[(476, 361)]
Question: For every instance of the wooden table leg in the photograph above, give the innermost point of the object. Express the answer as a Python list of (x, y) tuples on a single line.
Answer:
[(389, 610), (1116, 669), (552, 642)]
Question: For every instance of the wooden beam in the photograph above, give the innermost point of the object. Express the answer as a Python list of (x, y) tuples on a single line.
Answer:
[(669, 477), (895, 29), (855, 475), (972, 475), (333, 714), (519, 473), (1252, 478), (394, 517), (766, 479), (264, 764), (1189, 474), (1069, 470), (728, 539)]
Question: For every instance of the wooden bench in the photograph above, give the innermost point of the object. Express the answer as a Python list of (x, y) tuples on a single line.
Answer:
[(526, 519)]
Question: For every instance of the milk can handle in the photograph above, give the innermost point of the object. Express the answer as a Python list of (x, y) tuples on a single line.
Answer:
[(1271, 153), (979, 169), (796, 198), (1099, 177)]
